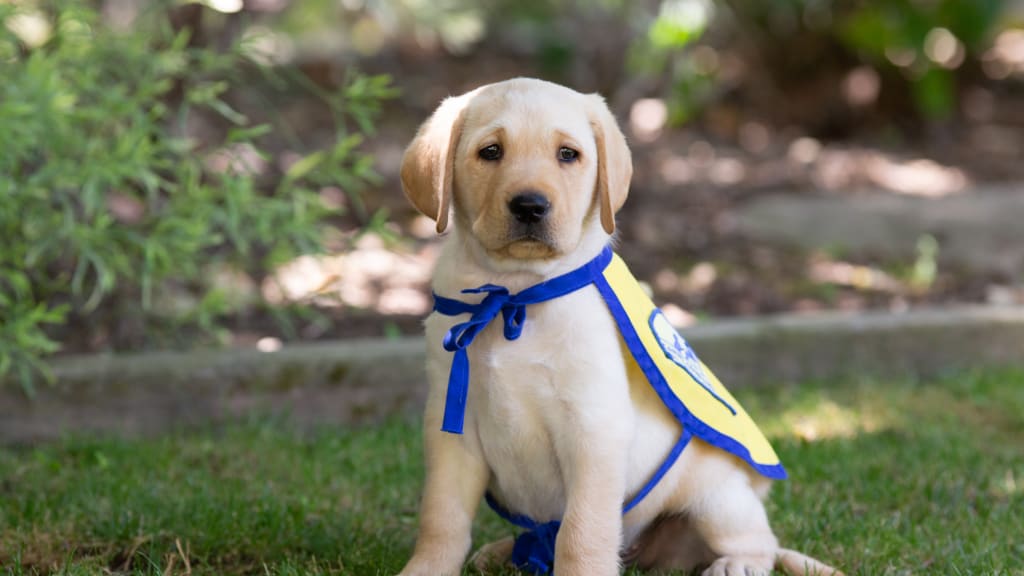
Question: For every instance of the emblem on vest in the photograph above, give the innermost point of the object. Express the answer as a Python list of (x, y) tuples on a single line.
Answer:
[(677, 350)]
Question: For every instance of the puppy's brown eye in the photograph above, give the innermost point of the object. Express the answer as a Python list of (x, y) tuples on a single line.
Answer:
[(566, 154), (490, 153)]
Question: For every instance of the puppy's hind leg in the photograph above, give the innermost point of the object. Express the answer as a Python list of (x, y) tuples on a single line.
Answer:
[(493, 554), (727, 511), (733, 523), (670, 543)]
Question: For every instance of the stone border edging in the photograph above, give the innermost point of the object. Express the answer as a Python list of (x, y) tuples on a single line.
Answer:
[(362, 381)]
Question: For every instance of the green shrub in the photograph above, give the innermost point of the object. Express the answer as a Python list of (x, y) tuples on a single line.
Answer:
[(108, 207)]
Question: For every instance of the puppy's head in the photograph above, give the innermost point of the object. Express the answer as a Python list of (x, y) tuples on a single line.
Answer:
[(528, 165)]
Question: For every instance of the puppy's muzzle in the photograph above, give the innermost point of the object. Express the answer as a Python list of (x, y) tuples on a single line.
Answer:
[(529, 207)]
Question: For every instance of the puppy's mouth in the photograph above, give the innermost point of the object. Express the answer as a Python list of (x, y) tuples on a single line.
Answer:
[(528, 244)]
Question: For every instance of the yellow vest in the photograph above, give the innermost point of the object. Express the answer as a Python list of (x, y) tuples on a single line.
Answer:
[(686, 386)]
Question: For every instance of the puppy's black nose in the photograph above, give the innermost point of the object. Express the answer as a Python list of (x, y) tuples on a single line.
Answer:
[(529, 207)]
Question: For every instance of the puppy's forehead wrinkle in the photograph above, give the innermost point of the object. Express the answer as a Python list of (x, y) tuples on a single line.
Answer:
[(538, 125), (522, 113)]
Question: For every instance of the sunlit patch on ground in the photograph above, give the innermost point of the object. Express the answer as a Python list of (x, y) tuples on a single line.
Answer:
[(821, 418), (792, 162), (851, 169), (830, 420), (1008, 486), (371, 276), (917, 177), (1006, 57), (825, 270)]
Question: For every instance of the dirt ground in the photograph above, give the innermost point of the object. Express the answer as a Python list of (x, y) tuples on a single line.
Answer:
[(681, 228)]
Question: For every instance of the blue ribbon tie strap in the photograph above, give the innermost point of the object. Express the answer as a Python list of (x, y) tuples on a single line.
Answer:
[(512, 307)]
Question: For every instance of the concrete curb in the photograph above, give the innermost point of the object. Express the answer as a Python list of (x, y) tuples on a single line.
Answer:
[(362, 381)]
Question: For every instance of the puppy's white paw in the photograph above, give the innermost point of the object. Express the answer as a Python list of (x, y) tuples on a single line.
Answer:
[(739, 566), (419, 566)]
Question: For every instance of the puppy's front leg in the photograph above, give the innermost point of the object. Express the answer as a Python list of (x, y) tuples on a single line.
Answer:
[(595, 478), (455, 483)]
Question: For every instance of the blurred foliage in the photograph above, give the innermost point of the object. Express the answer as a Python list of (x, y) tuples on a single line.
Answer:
[(926, 265), (112, 211), (663, 51), (367, 26), (920, 46), (925, 41)]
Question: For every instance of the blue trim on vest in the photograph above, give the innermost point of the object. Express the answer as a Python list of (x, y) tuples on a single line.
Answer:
[(513, 310), (534, 550), (673, 455), (673, 403)]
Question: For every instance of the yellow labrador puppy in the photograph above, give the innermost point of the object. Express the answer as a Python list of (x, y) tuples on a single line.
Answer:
[(534, 399)]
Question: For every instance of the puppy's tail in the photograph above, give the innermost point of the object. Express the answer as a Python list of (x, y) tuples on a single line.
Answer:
[(796, 564)]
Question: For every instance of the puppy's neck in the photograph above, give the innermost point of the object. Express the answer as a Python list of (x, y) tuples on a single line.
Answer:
[(465, 264)]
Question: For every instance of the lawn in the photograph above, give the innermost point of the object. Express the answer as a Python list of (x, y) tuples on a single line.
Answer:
[(887, 477)]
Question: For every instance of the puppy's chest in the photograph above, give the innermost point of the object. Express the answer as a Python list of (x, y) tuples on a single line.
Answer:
[(564, 345), (562, 380), (567, 357)]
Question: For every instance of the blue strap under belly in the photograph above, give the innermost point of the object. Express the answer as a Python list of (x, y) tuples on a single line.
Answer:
[(534, 549)]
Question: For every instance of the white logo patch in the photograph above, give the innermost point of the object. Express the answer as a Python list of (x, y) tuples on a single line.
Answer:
[(677, 350)]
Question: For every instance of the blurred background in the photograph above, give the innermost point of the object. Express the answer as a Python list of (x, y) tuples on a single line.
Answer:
[(225, 172)]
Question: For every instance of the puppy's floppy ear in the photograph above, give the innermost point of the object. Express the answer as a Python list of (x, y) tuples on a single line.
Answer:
[(614, 162), (429, 161)]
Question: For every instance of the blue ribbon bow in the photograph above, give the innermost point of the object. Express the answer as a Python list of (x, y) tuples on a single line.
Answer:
[(534, 550), (512, 307)]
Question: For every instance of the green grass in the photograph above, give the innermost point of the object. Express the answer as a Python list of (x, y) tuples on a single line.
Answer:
[(894, 477)]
